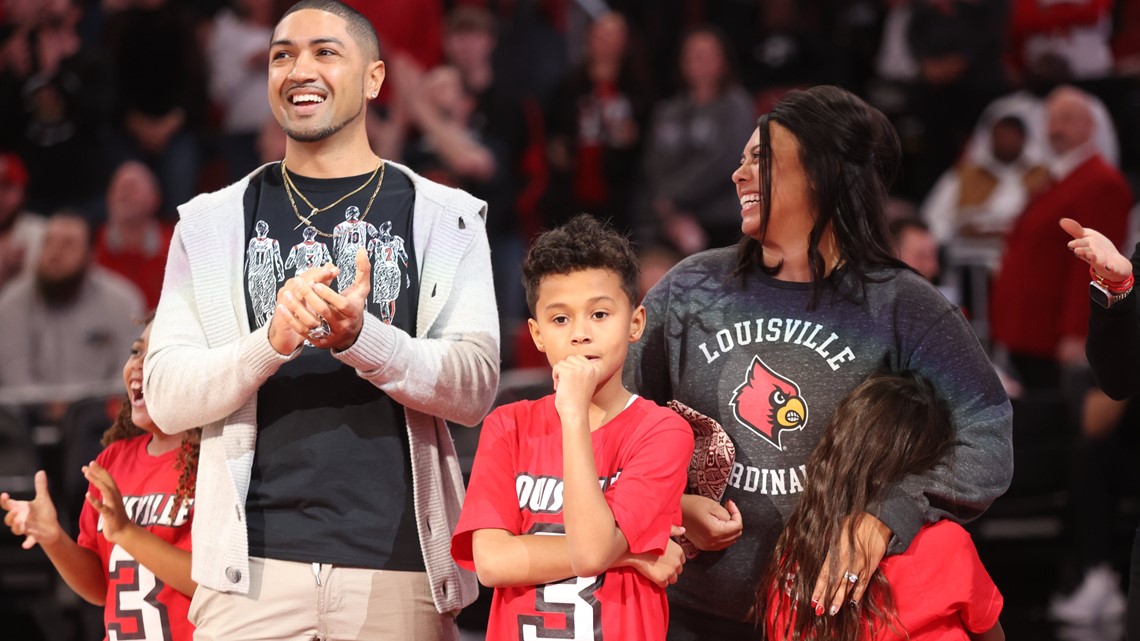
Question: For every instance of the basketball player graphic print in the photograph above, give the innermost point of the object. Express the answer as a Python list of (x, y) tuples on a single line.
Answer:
[(263, 271), (308, 253), (769, 404), (389, 254), (348, 237)]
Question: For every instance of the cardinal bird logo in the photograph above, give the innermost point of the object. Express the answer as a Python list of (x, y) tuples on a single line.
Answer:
[(769, 404)]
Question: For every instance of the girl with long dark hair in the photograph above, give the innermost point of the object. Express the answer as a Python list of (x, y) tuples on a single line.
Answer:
[(888, 428), (132, 555), (768, 337)]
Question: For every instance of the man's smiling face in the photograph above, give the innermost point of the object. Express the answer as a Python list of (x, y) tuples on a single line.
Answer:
[(318, 75)]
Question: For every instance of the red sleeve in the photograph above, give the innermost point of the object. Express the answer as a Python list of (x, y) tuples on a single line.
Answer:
[(944, 578), (491, 502), (1106, 210), (646, 498), (981, 601)]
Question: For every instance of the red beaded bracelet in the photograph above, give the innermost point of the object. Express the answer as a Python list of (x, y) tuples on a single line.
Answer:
[(1112, 286)]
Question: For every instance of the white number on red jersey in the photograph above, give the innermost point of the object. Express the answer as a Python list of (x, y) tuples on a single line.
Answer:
[(136, 598)]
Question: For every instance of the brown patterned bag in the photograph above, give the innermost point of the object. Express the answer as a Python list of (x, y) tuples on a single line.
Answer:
[(713, 456)]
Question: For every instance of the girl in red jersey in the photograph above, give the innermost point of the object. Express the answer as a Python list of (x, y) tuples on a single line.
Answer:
[(887, 428), (133, 551)]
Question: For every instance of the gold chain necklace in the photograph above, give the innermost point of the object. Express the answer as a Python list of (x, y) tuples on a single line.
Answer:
[(317, 210), (381, 166)]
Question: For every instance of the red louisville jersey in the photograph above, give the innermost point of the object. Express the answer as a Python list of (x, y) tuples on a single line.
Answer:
[(642, 457), (139, 605)]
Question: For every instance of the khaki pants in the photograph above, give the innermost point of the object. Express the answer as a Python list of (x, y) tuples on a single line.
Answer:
[(320, 602)]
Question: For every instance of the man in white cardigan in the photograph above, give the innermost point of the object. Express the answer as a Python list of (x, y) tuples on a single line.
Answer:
[(328, 484)]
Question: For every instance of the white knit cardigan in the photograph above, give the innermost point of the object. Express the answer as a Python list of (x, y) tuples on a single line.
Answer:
[(204, 368)]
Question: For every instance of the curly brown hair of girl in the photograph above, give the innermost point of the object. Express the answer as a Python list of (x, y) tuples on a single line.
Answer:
[(186, 462), (187, 465), (122, 427)]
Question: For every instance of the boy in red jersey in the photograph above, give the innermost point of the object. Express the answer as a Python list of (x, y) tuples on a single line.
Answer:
[(591, 462)]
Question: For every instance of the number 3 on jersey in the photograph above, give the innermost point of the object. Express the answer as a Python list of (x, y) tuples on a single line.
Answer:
[(576, 599), (136, 601)]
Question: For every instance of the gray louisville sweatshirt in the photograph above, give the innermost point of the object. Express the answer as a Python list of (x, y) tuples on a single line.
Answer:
[(753, 357)]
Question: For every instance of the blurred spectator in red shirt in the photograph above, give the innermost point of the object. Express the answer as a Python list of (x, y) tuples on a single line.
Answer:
[(133, 242), (1039, 309)]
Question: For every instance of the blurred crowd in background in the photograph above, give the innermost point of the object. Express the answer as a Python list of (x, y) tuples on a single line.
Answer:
[(115, 112)]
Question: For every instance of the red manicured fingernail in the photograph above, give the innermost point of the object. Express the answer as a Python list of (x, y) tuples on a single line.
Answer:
[(819, 610)]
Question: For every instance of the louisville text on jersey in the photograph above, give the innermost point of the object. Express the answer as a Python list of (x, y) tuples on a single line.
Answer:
[(543, 494)]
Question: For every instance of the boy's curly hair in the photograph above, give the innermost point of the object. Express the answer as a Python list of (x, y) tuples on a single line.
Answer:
[(583, 243)]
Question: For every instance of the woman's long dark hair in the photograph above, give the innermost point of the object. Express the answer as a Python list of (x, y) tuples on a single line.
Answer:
[(888, 427), (850, 153)]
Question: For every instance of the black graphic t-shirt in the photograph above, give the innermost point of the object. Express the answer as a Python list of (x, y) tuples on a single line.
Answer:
[(754, 358), (331, 479)]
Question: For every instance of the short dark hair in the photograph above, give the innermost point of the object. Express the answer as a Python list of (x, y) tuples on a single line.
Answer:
[(76, 214), (583, 243), (359, 27)]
